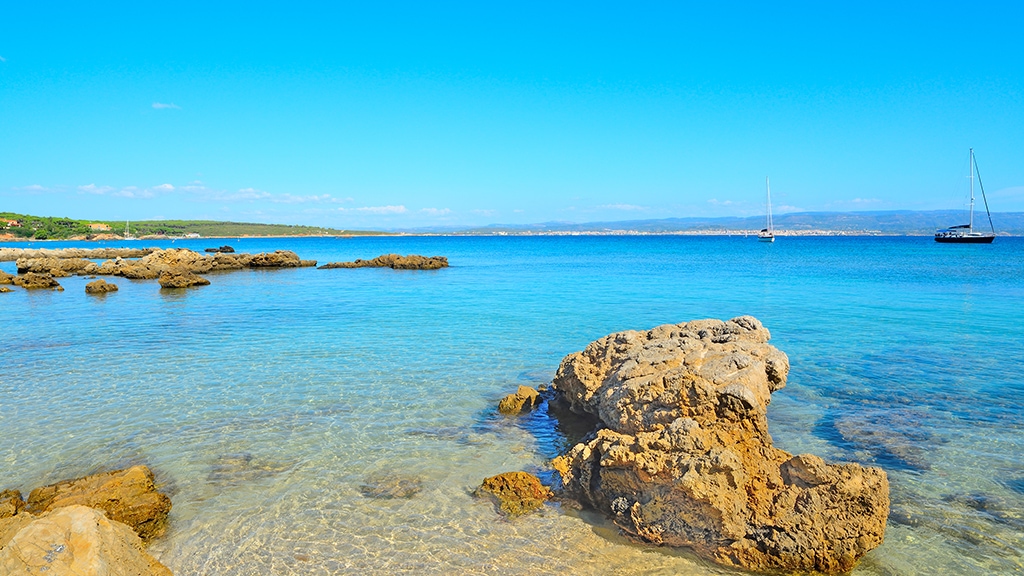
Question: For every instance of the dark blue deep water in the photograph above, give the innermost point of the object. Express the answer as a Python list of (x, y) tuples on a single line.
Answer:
[(268, 401)]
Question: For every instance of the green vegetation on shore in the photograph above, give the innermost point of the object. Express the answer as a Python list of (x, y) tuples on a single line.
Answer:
[(57, 228)]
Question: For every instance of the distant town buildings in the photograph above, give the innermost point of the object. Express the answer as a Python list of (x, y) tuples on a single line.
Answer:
[(11, 223)]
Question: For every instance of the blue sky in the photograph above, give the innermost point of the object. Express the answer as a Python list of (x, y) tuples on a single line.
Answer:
[(390, 115)]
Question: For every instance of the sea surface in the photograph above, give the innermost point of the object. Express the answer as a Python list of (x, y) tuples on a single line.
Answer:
[(274, 405)]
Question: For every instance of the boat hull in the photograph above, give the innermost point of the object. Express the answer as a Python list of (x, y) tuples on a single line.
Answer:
[(965, 239), (766, 238)]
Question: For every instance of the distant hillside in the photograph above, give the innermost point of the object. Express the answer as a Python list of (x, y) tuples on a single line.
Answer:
[(54, 228), (897, 222)]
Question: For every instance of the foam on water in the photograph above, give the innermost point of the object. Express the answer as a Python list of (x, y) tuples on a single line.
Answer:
[(268, 401)]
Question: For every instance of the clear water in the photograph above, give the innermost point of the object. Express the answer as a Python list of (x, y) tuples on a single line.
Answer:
[(268, 400)]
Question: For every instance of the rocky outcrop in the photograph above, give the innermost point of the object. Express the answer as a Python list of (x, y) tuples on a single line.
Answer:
[(33, 281), (73, 540), (525, 399), (517, 493), (6, 278), (684, 458), (394, 261), (12, 254), (4, 289), (10, 503), (128, 496), (180, 277), (57, 267), (100, 287), (222, 250)]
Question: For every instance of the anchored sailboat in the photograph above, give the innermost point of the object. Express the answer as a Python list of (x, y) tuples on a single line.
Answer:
[(964, 233), (768, 233)]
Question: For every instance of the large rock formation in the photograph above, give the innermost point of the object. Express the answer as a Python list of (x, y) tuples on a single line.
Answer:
[(6, 278), (57, 267), (155, 262), (684, 457), (73, 541), (394, 261), (180, 277), (128, 496)]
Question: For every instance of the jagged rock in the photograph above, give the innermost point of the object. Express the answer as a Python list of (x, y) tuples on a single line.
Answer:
[(10, 503), (394, 261), (5, 289), (127, 496), (517, 493), (100, 287), (684, 457), (73, 541), (525, 398), (180, 277), (222, 250), (33, 281), (6, 278), (307, 263), (390, 486)]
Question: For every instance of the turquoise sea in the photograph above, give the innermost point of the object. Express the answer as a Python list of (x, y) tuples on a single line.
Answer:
[(271, 404)]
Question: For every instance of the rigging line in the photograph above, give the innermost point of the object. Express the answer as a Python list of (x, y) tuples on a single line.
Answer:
[(983, 197)]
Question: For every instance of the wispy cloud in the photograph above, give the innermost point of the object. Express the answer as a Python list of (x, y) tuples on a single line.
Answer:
[(94, 189), (164, 188), (133, 192), (626, 207), (163, 106), (295, 199), (32, 188), (718, 202), (400, 209), (436, 211)]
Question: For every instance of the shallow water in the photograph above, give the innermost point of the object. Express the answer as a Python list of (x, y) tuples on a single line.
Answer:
[(268, 401)]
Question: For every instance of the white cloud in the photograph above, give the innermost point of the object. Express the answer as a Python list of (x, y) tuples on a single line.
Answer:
[(163, 106), (717, 202), (32, 188), (94, 189), (627, 207), (436, 211), (294, 199), (377, 209), (164, 188), (133, 192)]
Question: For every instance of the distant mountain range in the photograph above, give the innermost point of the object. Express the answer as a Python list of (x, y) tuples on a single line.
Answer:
[(890, 222)]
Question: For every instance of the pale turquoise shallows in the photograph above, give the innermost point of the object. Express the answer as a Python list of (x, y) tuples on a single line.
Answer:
[(267, 401)]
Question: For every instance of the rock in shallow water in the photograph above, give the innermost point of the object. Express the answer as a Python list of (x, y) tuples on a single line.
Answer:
[(525, 398), (394, 261), (128, 496), (100, 287), (517, 493), (684, 457), (390, 486)]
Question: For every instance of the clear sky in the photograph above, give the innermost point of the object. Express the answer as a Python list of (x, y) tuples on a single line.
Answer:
[(380, 114)]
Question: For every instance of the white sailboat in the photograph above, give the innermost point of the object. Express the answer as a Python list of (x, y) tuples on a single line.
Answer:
[(965, 233), (768, 233)]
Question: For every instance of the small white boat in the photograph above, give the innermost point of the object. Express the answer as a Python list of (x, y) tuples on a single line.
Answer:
[(768, 233)]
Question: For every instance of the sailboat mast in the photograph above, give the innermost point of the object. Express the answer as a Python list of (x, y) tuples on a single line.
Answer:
[(768, 203), (971, 224)]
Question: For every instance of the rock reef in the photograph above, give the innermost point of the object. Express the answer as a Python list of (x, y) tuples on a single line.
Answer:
[(683, 456), (12, 254), (33, 281), (395, 262)]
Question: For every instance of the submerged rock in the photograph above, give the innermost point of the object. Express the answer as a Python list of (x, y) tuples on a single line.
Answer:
[(683, 456), (128, 496), (241, 468), (390, 486), (181, 278), (394, 261), (34, 281), (525, 398), (100, 287), (72, 541), (517, 493), (895, 437)]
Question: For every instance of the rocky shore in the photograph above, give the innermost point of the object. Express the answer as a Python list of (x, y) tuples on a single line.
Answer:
[(682, 454), (98, 524)]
